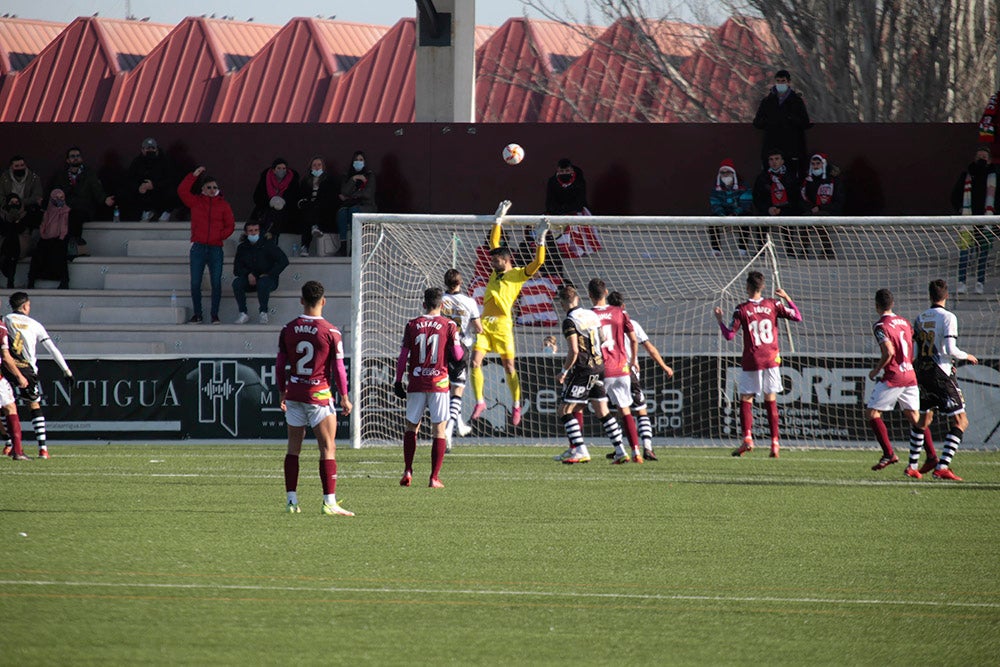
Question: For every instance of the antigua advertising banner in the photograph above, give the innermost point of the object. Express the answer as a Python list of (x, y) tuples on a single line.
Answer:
[(237, 399)]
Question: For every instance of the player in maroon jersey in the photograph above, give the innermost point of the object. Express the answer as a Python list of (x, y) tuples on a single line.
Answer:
[(761, 357), (429, 343), (8, 404), (618, 362), (313, 350), (898, 382)]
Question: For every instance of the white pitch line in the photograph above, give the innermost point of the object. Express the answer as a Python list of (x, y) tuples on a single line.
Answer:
[(514, 593)]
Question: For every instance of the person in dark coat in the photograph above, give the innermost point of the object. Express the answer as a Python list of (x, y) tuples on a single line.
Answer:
[(17, 226), (318, 203), (151, 192), (84, 194), (822, 194), (357, 195), (256, 267), (975, 193), (275, 200), (776, 193), (784, 120)]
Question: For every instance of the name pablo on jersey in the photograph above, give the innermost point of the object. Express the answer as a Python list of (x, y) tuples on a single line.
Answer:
[(304, 329)]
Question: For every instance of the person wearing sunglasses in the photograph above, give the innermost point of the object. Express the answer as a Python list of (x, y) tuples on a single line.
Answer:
[(212, 222)]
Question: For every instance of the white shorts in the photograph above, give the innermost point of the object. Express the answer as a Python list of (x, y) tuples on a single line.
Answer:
[(300, 414), (436, 402), (6, 392), (765, 381), (885, 398), (619, 390)]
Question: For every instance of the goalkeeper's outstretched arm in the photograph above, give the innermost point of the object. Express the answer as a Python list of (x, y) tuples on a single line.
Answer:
[(542, 234)]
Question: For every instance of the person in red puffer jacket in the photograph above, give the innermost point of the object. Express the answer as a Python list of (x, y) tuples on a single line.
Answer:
[(212, 222)]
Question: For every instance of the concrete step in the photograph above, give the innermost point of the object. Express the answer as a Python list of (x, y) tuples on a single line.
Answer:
[(128, 309), (107, 348), (157, 248)]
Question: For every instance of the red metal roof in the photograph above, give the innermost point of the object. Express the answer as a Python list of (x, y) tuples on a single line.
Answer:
[(607, 84), (288, 80), (515, 67), (72, 77), (725, 71), (380, 88), (180, 79), (23, 39)]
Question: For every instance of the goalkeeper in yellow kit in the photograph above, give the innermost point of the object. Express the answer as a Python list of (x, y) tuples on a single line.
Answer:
[(502, 291)]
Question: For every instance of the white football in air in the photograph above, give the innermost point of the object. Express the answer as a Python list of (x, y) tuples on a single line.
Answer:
[(513, 154)]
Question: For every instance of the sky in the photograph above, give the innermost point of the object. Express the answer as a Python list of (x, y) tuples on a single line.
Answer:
[(379, 12)]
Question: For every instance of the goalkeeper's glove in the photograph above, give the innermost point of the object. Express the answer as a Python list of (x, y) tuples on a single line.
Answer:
[(399, 390), (542, 231), (502, 210)]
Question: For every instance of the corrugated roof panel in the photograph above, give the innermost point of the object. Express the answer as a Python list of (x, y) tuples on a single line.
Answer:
[(69, 81), (562, 43), (21, 40), (347, 42), (132, 40), (179, 81), (483, 33), (381, 87)]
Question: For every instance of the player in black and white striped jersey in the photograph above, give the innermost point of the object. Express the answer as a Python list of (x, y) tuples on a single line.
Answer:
[(463, 310), (25, 334)]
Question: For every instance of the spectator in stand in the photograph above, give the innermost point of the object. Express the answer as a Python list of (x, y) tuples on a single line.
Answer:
[(975, 193), (151, 193), (776, 191), (23, 182), (565, 194), (988, 123), (784, 120), (318, 204), (16, 226), (728, 199), (49, 261), (212, 223), (357, 195), (275, 199), (84, 196), (256, 268), (822, 194)]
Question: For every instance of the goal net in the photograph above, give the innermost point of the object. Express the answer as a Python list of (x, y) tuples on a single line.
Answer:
[(671, 280)]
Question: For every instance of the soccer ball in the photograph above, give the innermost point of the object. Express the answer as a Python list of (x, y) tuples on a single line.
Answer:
[(513, 154)]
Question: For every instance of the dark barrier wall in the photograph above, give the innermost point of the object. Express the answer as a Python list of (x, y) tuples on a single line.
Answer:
[(631, 169)]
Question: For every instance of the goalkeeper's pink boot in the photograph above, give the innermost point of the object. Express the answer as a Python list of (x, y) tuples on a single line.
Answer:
[(515, 415), (478, 411)]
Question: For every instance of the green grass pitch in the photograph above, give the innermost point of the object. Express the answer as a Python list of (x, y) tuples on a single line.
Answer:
[(117, 555)]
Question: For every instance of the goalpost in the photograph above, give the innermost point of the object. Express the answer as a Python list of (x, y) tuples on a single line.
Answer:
[(671, 281)]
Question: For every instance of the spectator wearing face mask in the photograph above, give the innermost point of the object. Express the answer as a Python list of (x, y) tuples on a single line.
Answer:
[(49, 261), (783, 118), (256, 268), (275, 200), (975, 194), (357, 195), (151, 192), (84, 194), (318, 203), (729, 198), (566, 190), (19, 180), (212, 223), (16, 228), (822, 194)]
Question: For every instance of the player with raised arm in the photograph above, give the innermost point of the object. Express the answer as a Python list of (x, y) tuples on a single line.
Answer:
[(896, 381), (502, 290), (313, 349), (463, 310), (761, 373), (619, 359), (8, 406), (25, 335), (936, 333), (639, 406), (430, 345), (582, 378)]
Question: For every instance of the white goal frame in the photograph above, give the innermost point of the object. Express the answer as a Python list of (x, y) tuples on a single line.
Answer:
[(481, 223)]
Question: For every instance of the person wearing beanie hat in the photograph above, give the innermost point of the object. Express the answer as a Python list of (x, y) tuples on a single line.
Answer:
[(152, 185), (729, 198), (277, 186), (975, 193), (822, 194)]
